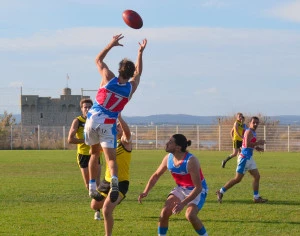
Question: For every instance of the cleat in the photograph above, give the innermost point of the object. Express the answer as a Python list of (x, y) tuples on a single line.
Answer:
[(219, 196), (114, 193), (97, 215), (259, 200), (223, 163)]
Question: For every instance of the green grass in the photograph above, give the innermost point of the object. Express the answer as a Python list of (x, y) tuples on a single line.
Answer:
[(42, 193)]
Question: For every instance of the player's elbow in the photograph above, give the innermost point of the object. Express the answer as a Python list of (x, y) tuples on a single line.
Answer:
[(70, 140)]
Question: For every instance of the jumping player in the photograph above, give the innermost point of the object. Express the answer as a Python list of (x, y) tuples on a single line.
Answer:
[(112, 96)]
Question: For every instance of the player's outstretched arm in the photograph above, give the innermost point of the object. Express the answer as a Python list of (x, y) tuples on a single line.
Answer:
[(154, 178), (126, 136), (138, 66), (102, 67)]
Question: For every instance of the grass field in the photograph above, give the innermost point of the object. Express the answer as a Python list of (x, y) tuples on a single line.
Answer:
[(42, 193)]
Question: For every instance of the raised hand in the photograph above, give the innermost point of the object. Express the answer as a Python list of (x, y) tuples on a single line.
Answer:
[(116, 39), (142, 45)]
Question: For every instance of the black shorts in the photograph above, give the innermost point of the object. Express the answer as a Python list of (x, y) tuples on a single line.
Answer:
[(105, 187), (237, 144), (83, 160)]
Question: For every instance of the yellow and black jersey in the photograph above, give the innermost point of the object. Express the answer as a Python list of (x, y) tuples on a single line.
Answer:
[(123, 162), (82, 148)]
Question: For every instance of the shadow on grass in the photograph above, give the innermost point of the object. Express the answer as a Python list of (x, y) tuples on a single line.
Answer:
[(269, 202), (254, 221)]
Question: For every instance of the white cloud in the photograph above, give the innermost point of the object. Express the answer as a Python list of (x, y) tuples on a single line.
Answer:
[(287, 11), (195, 37)]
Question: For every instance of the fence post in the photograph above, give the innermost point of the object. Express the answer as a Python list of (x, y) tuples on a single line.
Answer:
[(265, 137), (198, 137), (219, 137), (156, 137), (288, 138), (176, 129), (136, 138), (11, 137), (39, 144), (64, 137)]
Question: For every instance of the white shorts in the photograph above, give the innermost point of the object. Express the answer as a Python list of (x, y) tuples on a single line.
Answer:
[(105, 134), (245, 164), (182, 193)]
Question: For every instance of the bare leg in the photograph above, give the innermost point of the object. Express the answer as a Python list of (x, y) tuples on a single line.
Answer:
[(256, 177), (94, 170), (107, 210), (94, 161), (110, 158), (166, 212), (85, 176), (238, 177), (191, 216)]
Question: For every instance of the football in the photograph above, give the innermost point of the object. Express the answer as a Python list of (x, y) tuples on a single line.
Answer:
[(132, 19)]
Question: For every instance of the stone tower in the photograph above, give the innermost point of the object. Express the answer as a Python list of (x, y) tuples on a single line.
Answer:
[(47, 111)]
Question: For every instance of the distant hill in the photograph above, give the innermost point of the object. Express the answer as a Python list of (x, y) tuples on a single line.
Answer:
[(181, 119), (171, 119)]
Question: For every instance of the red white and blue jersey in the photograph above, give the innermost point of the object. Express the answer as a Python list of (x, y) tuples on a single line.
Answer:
[(248, 151), (110, 101), (180, 173)]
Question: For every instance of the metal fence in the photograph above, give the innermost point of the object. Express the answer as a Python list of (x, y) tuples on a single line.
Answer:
[(204, 137)]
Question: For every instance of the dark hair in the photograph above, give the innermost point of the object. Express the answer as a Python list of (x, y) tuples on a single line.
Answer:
[(85, 100), (126, 68), (254, 118), (181, 141)]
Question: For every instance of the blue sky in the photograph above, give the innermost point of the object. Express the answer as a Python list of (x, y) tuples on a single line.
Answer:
[(204, 57)]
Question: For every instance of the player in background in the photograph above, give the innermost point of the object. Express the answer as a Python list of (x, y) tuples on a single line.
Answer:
[(191, 189), (236, 136), (112, 96), (247, 163), (124, 148), (76, 136)]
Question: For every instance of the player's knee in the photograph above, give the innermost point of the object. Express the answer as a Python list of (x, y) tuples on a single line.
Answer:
[(107, 211), (257, 177), (165, 213), (93, 205), (238, 179)]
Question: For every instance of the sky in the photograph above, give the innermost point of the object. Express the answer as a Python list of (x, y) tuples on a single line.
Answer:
[(203, 58)]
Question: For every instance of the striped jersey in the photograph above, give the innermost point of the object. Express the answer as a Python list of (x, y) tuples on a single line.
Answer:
[(110, 101), (180, 173), (248, 151)]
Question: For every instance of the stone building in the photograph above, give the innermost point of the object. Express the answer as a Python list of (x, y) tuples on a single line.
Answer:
[(47, 111)]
